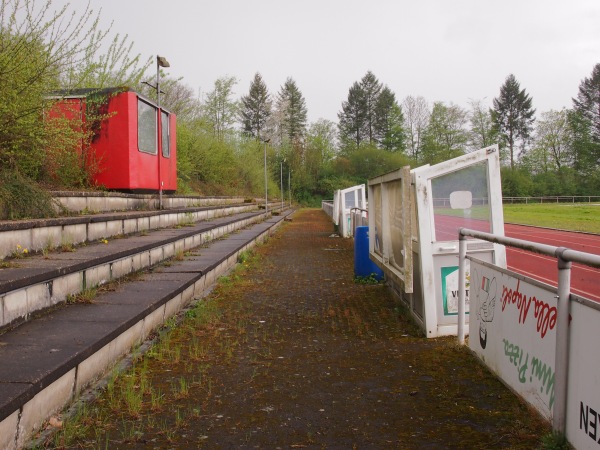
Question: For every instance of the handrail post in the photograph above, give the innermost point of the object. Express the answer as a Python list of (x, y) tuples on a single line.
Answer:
[(561, 363), (462, 254)]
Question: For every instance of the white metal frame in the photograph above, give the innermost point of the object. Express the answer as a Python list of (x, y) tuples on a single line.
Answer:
[(380, 247), (342, 210), (429, 248)]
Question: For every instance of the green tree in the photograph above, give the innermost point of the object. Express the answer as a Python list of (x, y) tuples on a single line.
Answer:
[(446, 136), (322, 137), (220, 109), (389, 122), (351, 119), (551, 148), (513, 117), (372, 91), (42, 53), (255, 108), (32, 48), (117, 66), (482, 128), (292, 113), (369, 161), (370, 115), (585, 123), (516, 182)]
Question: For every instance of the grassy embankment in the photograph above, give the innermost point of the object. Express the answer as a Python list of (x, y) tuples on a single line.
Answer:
[(564, 216)]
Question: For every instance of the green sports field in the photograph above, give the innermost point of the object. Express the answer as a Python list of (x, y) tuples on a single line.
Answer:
[(564, 216)]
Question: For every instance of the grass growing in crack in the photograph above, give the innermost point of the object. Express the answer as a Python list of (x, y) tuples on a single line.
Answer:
[(132, 396), (179, 419), (555, 441), (197, 350), (370, 279), (182, 390), (131, 431), (179, 255), (87, 296), (133, 401), (67, 246), (157, 400), (77, 426), (244, 256), (186, 221), (175, 354)]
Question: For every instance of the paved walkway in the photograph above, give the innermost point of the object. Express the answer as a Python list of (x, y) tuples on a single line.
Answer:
[(294, 354)]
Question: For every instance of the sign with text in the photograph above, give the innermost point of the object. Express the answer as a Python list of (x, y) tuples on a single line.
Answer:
[(449, 276), (512, 329), (583, 392)]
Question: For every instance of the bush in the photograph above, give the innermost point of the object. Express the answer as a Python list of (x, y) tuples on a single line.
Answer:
[(21, 198)]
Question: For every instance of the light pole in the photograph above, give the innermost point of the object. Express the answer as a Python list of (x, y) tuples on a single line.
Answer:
[(266, 141), (290, 185), (161, 61), (281, 176)]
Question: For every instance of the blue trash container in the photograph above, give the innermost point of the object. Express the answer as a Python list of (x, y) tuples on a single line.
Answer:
[(363, 266)]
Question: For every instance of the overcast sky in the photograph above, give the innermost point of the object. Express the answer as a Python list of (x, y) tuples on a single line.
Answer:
[(443, 50)]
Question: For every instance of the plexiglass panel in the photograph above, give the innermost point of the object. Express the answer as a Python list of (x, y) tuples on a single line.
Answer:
[(146, 127), (349, 199), (377, 212), (166, 134), (461, 199), (394, 192)]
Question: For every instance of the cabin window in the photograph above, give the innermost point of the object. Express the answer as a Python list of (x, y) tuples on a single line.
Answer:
[(166, 134), (147, 132)]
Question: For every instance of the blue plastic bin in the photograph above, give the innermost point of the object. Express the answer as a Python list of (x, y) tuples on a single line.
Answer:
[(363, 266)]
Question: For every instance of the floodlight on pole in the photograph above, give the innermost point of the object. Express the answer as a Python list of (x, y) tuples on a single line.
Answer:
[(266, 141), (281, 181), (161, 61)]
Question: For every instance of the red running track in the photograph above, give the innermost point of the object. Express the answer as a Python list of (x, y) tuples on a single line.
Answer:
[(585, 281)]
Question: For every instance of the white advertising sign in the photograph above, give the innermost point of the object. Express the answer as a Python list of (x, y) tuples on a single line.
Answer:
[(449, 277), (583, 392), (512, 329)]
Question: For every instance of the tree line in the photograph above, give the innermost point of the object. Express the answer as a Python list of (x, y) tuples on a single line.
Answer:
[(223, 137), (553, 153)]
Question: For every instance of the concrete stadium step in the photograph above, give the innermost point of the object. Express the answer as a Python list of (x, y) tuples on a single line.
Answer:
[(38, 282), (38, 235), (50, 359), (97, 202)]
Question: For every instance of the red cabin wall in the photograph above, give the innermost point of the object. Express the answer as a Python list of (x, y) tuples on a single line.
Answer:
[(168, 168), (121, 166), (114, 142)]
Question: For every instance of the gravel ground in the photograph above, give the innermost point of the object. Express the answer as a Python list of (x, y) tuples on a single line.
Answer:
[(297, 355)]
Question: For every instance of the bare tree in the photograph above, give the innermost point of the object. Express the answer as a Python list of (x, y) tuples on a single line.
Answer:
[(416, 118), (552, 139), (220, 109), (482, 128)]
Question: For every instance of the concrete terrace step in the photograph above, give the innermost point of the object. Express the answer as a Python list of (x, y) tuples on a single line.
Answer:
[(53, 357), (116, 201), (37, 235), (39, 282)]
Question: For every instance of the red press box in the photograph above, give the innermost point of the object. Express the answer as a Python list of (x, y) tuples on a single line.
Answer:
[(134, 144)]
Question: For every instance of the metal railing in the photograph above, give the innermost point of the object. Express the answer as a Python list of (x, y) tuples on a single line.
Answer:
[(564, 257), (553, 199), (327, 206), (359, 217)]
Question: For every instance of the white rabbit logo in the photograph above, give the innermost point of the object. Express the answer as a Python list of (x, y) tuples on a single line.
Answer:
[(485, 295)]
